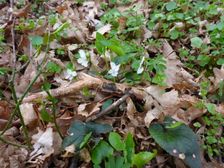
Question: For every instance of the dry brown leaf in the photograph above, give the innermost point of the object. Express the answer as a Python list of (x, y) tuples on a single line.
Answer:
[(218, 76), (106, 28), (12, 156), (4, 110), (151, 115), (131, 110), (85, 155), (26, 78), (43, 145), (175, 74), (28, 113), (23, 12), (88, 109), (166, 99), (4, 58)]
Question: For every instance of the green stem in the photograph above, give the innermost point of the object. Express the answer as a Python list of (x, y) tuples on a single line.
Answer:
[(11, 143), (53, 100)]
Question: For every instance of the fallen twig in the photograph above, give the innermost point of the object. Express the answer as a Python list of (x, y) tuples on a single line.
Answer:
[(110, 108), (86, 81)]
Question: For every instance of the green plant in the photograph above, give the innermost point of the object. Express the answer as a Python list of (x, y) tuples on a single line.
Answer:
[(213, 140), (80, 132), (178, 140), (119, 153)]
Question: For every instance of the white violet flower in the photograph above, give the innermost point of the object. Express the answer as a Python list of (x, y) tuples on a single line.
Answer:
[(140, 68), (83, 59), (69, 74), (114, 69)]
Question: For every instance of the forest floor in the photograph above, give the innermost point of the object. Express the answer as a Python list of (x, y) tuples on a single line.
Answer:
[(112, 83)]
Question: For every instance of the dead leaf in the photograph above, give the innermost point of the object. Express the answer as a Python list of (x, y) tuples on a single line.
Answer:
[(106, 28), (28, 113), (23, 12), (43, 145), (4, 110), (175, 74), (218, 76), (131, 110)]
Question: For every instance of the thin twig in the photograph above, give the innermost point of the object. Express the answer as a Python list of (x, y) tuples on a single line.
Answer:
[(12, 143), (110, 108)]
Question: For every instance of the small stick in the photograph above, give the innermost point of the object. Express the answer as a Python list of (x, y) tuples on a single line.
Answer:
[(110, 108)]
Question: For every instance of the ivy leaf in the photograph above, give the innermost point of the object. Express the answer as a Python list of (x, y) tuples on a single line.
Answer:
[(220, 61), (171, 6), (203, 60), (116, 141), (36, 40), (102, 150), (179, 141), (53, 68), (80, 131), (45, 116), (143, 158), (196, 42)]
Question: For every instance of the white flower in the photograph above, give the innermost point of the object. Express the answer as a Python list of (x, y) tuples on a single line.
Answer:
[(114, 69), (83, 59), (140, 68), (69, 74)]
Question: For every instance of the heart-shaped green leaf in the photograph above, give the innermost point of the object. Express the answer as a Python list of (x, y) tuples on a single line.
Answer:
[(79, 130), (179, 141)]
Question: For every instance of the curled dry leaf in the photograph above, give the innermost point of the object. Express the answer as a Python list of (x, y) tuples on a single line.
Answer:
[(219, 76), (28, 113), (175, 74), (131, 110), (43, 145), (106, 28), (88, 109), (24, 80)]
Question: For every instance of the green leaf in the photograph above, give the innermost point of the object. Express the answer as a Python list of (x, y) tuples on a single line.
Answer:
[(116, 141), (100, 40), (196, 42), (179, 141), (53, 68), (171, 6), (36, 40), (142, 158), (210, 107), (102, 150), (46, 86), (220, 61), (129, 148), (107, 103), (116, 162), (45, 116), (113, 44), (203, 60), (78, 132), (85, 140), (3, 70)]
